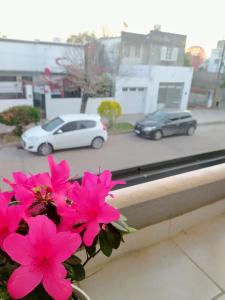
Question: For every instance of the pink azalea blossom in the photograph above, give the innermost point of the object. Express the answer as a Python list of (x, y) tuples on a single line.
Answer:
[(10, 216), (22, 188), (42, 187), (40, 255), (89, 210), (90, 180)]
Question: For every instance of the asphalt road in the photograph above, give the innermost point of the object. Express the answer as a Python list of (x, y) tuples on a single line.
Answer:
[(121, 151)]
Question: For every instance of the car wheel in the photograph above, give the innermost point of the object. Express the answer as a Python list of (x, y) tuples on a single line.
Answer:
[(97, 143), (191, 130), (45, 149), (157, 135)]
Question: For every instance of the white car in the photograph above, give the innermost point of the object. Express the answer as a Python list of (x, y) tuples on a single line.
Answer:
[(65, 131)]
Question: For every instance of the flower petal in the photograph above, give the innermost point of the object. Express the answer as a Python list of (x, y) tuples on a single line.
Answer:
[(41, 229), (108, 214), (72, 242), (55, 284), (18, 247), (90, 233), (14, 216), (24, 195), (22, 281)]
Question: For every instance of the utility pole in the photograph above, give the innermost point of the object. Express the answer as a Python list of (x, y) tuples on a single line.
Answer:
[(217, 82)]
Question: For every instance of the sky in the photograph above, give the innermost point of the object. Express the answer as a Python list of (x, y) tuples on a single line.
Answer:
[(202, 21)]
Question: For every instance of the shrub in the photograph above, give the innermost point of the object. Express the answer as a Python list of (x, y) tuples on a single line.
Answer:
[(110, 110), (20, 116)]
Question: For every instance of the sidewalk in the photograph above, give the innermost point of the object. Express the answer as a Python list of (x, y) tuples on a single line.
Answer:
[(188, 266), (203, 116)]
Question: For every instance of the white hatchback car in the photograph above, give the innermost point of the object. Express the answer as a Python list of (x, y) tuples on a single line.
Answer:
[(65, 131)]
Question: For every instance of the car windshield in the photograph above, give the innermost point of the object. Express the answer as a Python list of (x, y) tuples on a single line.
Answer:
[(157, 116), (51, 125)]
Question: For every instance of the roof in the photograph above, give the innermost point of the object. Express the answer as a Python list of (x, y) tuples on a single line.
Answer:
[(40, 42), (77, 117)]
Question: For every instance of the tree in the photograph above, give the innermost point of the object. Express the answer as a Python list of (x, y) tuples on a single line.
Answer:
[(87, 77), (187, 62), (110, 110), (105, 86), (82, 38)]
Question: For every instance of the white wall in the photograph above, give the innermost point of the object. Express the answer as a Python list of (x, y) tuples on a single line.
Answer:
[(130, 107), (59, 106), (35, 56), (7, 103), (168, 74), (150, 78)]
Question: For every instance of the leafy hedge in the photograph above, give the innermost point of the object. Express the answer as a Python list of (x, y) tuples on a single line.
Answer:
[(20, 116)]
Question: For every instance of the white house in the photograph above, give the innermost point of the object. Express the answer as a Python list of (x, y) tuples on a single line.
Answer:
[(144, 89), (216, 56), (24, 63)]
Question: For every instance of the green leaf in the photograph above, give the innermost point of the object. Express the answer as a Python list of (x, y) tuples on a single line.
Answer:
[(105, 246), (122, 226), (113, 236), (79, 272), (13, 203), (74, 260), (92, 250)]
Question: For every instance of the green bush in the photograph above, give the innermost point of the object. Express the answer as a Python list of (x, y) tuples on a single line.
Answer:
[(20, 116), (110, 110)]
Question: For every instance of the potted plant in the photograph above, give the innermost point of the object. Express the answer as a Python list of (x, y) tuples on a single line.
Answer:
[(45, 219)]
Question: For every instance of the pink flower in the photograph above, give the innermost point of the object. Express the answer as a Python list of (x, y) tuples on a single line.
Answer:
[(60, 186), (42, 188), (40, 254), (22, 188), (89, 210), (90, 180), (10, 216)]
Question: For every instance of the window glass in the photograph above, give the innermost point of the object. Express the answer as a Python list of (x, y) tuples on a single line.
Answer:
[(53, 124), (86, 124), (70, 126)]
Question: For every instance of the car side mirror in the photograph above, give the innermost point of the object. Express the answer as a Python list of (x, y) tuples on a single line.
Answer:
[(59, 131)]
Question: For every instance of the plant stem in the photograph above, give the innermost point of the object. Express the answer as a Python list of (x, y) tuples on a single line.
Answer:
[(90, 257)]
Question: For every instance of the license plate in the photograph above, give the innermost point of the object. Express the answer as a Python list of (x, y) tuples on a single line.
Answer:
[(137, 131)]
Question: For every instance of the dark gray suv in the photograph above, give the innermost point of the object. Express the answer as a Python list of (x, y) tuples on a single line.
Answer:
[(160, 123)]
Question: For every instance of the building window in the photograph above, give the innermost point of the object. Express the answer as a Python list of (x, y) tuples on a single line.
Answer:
[(216, 61), (169, 53), (126, 50), (8, 78), (132, 89), (124, 89), (137, 51)]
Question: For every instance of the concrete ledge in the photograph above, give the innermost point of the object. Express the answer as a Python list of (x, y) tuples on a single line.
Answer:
[(163, 199), (162, 208)]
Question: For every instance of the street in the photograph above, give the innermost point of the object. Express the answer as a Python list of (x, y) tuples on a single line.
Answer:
[(121, 151)]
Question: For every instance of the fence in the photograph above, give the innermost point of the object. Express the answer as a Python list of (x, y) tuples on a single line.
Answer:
[(59, 106)]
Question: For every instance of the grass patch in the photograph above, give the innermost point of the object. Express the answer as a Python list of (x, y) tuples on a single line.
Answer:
[(122, 127)]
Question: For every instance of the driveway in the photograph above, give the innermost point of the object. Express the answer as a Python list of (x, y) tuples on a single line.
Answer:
[(121, 151)]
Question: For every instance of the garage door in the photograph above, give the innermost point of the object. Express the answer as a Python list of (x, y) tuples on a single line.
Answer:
[(133, 99), (170, 95)]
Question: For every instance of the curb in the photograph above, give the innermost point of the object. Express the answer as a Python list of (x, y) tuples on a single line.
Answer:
[(211, 123)]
